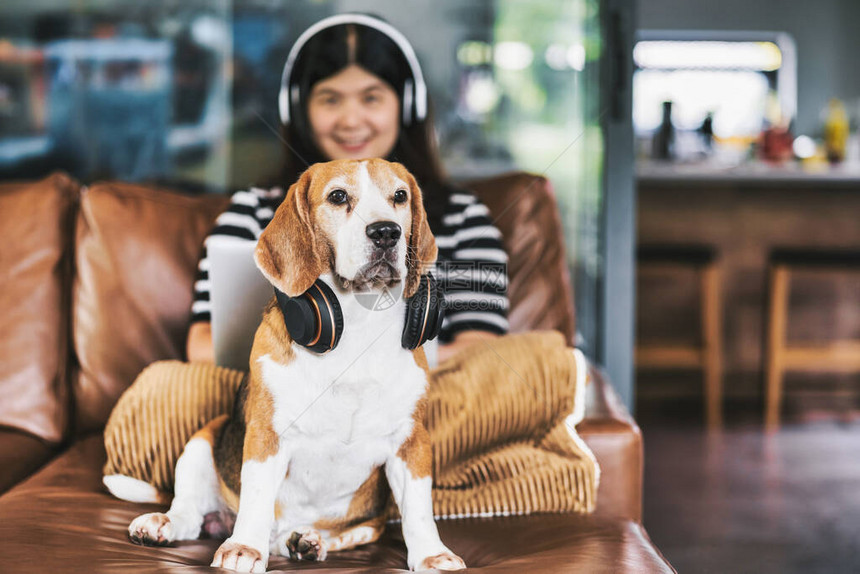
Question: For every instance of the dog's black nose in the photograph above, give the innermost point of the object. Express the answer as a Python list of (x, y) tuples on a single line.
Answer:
[(383, 233)]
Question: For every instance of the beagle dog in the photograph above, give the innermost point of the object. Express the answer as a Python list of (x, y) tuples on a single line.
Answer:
[(304, 464)]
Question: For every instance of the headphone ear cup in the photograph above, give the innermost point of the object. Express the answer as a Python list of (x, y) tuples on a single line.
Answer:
[(437, 308), (337, 312), (415, 317), (330, 317), (299, 317), (423, 317), (408, 102), (314, 319)]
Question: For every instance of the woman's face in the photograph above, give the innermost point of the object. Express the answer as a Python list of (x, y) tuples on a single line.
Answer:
[(354, 115)]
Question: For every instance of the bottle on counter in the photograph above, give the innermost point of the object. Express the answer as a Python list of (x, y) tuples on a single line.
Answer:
[(706, 133), (836, 131), (775, 144), (775, 140), (664, 138)]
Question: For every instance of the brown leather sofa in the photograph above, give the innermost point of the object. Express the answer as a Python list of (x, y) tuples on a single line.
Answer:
[(96, 284)]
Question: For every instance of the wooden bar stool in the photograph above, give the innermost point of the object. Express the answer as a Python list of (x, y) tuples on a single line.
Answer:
[(837, 355), (706, 354)]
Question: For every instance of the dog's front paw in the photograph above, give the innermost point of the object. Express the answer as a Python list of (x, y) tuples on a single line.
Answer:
[(306, 544), (234, 556), (153, 529), (446, 560)]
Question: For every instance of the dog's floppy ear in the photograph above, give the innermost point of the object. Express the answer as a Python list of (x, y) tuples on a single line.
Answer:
[(421, 246), (287, 252)]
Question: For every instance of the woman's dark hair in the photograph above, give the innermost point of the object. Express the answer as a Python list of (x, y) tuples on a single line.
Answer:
[(327, 53)]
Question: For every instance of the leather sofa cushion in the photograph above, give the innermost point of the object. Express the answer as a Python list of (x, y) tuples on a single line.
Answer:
[(524, 209), (20, 455), (34, 273), (62, 520), (616, 441), (136, 259)]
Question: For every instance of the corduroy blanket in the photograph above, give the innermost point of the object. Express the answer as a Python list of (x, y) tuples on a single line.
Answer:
[(501, 420)]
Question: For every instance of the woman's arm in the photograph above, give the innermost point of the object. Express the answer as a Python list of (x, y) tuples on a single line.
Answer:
[(199, 345), (473, 271)]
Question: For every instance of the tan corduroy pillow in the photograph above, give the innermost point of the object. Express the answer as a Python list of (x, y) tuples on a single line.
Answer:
[(500, 417)]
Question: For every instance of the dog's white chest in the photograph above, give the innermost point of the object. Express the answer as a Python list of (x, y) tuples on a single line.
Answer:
[(342, 414)]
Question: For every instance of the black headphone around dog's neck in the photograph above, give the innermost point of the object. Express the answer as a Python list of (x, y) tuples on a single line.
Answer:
[(314, 319)]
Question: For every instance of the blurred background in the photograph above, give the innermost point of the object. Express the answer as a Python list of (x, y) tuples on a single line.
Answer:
[(747, 158), (746, 125), (706, 161)]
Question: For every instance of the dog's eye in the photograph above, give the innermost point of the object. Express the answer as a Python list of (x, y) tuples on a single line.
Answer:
[(337, 197), (400, 196)]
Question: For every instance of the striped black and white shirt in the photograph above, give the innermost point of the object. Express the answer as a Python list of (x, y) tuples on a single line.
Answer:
[(471, 265)]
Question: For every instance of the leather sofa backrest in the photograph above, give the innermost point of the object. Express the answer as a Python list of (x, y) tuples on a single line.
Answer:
[(136, 256), (35, 270), (525, 210), (129, 295)]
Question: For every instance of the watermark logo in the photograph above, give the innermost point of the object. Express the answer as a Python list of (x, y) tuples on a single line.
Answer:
[(380, 300), (468, 286)]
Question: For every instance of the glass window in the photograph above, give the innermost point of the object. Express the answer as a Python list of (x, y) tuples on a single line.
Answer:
[(135, 91)]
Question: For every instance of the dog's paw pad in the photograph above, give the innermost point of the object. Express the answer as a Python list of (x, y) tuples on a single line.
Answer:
[(306, 545), (239, 557), (153, 529), (444, 561)]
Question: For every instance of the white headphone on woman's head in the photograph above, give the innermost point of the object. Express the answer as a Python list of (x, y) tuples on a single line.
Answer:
[(414, 90)]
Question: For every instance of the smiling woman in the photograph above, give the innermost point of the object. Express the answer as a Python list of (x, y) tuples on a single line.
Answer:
[(352, 88), (354, 115)]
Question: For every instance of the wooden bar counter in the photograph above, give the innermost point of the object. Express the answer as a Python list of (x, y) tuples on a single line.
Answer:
[(744, 212)]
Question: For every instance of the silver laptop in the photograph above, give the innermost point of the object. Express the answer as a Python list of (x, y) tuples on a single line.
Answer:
[(239, 293)]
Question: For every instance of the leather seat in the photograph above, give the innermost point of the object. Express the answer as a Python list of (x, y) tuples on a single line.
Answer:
[(62, 520)]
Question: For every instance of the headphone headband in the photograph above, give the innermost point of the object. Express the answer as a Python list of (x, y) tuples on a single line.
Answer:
[(287, 94)]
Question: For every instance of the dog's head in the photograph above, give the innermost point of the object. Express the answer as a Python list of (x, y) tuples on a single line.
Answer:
[(362, 220)]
